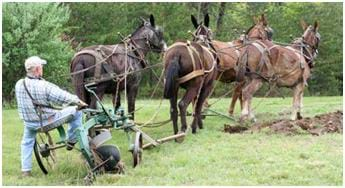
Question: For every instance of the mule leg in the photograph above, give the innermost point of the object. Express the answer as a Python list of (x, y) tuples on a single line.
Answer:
[(116, 99), (204, 93), (237, 94), (131, 95), (297, 101), (190, 95), (247, 94), (173, 111)]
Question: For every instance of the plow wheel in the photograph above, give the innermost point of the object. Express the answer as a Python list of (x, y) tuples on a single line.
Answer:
[(110, 156), (45, 156), (137, 149)]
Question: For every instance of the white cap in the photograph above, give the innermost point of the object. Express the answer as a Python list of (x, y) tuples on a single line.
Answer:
[(34, 61)]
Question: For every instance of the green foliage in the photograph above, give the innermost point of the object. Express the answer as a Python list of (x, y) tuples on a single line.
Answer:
[(34, 29)]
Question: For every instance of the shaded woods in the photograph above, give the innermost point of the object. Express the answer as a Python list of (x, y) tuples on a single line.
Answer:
[(56, 31)]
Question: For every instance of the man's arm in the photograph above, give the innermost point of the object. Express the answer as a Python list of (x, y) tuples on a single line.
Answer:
[(59, 96)]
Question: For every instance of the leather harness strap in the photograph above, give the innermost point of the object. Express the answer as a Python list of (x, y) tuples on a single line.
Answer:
[(190, 76), (214, 60), (195, 72), (100, 57), (263, 48), (231, 44), (298, 54)]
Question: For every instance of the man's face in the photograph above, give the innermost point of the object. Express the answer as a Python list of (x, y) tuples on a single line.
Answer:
[(39, 71)]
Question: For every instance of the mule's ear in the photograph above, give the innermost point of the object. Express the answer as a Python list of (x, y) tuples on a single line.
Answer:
[(264, 20), (255, 20), (316, 26), (194, 21), (304, 25), (152, 20), (207, 20)]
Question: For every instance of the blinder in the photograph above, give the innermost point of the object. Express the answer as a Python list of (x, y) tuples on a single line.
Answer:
[(269, 32)]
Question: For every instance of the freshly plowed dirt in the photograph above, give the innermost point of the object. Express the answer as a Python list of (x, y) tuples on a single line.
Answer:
[(318, 125)]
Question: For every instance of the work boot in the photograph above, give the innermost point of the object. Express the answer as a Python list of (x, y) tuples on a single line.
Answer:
[(70, 145), (26, 173)]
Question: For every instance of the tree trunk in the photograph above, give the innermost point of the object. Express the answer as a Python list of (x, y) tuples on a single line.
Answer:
[(220, 17), (203, 10)]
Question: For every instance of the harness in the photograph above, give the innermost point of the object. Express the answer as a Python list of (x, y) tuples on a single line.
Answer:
[(232, 45), (196, 72), (310, 55), (265, 61), (100, 57), (265, 52), (102, 54)]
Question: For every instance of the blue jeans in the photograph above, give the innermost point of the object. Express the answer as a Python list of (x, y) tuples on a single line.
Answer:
[(30, 130)]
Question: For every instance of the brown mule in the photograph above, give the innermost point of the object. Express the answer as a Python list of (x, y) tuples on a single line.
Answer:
[(192, 67), (228, 53), (100, 62), (278, 65)]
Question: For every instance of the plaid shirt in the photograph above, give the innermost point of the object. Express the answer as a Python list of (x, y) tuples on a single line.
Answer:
[(44, 93)]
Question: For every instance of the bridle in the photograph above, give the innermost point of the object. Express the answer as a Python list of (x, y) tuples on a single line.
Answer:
[(312, 50), (136, 49), (263, 30), (205, 38), (151, 46)]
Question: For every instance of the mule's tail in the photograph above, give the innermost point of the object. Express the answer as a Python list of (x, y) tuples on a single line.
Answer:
[(171, 76), (77, 64), (241, 66)]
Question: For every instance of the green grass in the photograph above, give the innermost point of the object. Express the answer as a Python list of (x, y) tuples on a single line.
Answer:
[(211, 157)]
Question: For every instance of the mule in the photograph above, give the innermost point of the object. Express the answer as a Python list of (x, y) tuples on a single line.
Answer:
[(126, 59), (228, 53), (190, 66), (280, 66)]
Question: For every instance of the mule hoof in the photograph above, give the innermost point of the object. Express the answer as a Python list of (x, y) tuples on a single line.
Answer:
[(194, 131), (243, 118), (231, 113), (299, 116)]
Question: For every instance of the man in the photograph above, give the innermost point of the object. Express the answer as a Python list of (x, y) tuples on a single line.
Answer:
[(35, 95)]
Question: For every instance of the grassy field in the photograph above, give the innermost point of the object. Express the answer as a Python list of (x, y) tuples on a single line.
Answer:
[(211, 157)]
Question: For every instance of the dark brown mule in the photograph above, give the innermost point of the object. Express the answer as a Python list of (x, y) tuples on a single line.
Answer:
[(192, 67), (146, 38), (278, 65), (228, 53)]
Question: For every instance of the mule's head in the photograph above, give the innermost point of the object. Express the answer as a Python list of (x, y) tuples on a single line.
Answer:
[(202, 32), (311, 36), (260, 30), (152, 33)]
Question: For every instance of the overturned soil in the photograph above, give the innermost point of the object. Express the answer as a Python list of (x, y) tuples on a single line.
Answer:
[(318, 125)]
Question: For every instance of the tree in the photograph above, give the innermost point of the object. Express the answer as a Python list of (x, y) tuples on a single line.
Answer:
[(34, 29), (220, 16), (203, 10)]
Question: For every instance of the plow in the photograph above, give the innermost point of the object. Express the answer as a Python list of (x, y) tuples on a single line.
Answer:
[(92, 136)]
